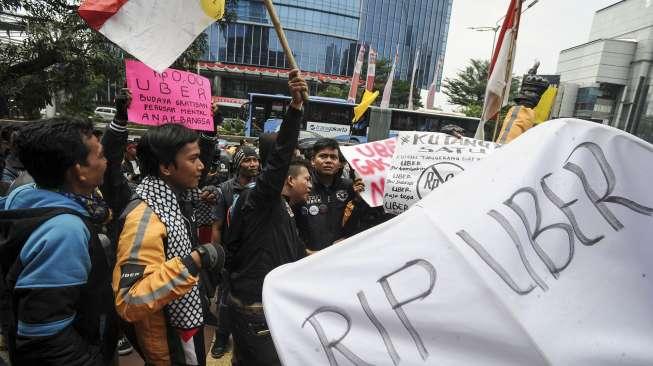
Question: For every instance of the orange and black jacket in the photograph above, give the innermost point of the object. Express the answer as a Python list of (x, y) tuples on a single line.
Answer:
[(144, 281)]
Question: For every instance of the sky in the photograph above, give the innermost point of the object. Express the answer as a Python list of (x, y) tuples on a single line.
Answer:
[(547, 28)]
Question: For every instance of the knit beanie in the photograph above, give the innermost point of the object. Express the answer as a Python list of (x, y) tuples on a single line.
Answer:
[(243, 153)]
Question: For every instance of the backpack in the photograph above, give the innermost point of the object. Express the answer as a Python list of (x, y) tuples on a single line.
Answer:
[(16, 226)]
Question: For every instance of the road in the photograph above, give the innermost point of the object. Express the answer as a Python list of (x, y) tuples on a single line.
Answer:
[(134, 360)]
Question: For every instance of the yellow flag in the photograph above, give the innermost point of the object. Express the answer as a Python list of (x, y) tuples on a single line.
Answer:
[(213, 8), (366, 101), (543, 108)]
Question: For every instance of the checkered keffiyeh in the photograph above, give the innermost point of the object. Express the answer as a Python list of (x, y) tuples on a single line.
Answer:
[(186, 311)]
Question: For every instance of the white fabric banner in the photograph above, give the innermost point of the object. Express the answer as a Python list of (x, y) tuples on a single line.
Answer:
[(423, 161), (539, 255), (371, 161)]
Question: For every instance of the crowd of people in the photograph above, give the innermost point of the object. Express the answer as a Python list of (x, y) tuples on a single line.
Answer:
[(109, 244)]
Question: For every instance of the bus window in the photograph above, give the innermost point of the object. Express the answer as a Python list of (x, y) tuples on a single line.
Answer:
[(403, 122)]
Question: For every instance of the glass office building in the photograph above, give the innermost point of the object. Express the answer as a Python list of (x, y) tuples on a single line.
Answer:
[(326, 34), (322, 33), (410, 25)]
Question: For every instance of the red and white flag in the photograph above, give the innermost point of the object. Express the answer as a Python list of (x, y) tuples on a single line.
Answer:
[(155, 32), (387, 90), (430, 99), (412, 80), (371, 70), (356, 77), (498, 86)]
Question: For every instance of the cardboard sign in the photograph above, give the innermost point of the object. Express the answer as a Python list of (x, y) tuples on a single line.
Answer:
[(371, 161), (424, 161), (331, 130), (540, 255), (172, 96)]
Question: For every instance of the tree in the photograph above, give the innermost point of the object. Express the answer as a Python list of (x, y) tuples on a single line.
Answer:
[(62, 58), (467, 90), (400, 88), (334, 91)]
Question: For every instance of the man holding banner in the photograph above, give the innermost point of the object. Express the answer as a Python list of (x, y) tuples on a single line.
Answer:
[(262, 234)]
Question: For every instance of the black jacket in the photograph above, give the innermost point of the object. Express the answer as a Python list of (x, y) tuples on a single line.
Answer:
[(262, 234), (319, 220), (115, 188)]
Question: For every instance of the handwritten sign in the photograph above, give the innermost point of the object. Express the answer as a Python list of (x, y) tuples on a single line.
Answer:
[(426, 160), (372, 162), (540, 255), (172, 96)]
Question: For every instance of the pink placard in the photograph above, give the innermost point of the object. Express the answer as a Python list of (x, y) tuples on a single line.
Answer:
[(173, 96), (371, 161)]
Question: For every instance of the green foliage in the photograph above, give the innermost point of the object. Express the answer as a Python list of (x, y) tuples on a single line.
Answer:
[(334, 91), (472, 110), (232, 126), (467, 89), (61, 56)]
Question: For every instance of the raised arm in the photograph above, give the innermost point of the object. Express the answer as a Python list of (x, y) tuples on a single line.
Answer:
[(270, 182)]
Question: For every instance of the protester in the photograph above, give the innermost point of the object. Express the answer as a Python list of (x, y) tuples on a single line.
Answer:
[(54, 265), (521, 117), (130, 165), (453, 130), (13, 167), (320, 218), (155, 280), (247, 161), (262, 234), (116, 188)]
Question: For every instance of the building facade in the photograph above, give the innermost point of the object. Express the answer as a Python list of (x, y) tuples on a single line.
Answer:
[(409, 26), (610, 78), (325, 35)]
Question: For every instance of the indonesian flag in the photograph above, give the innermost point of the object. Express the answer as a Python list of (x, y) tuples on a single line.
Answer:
[(356, 77), (412, 80), (430, 99), (371, 70), (498, 86), (155, 32), (387, 90)]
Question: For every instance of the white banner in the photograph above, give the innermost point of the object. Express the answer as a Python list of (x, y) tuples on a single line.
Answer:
[(371, 161), (331, 130), (423, 161), (539, 255)]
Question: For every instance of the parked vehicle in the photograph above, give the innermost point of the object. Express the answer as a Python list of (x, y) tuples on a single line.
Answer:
[(106, 113)]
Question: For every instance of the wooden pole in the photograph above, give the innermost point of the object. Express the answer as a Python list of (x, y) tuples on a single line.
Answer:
[(511, 60), (282, 39)]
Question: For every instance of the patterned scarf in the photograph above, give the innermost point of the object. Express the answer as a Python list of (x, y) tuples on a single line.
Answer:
[(203, 210), (186, 311), (96, 207)]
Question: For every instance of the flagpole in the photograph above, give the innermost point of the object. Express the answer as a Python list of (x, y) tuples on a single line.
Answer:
[(282, 39), (511, 59)]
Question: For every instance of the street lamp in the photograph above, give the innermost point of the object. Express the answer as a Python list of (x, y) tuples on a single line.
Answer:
[(496, 27), (488, 29)]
